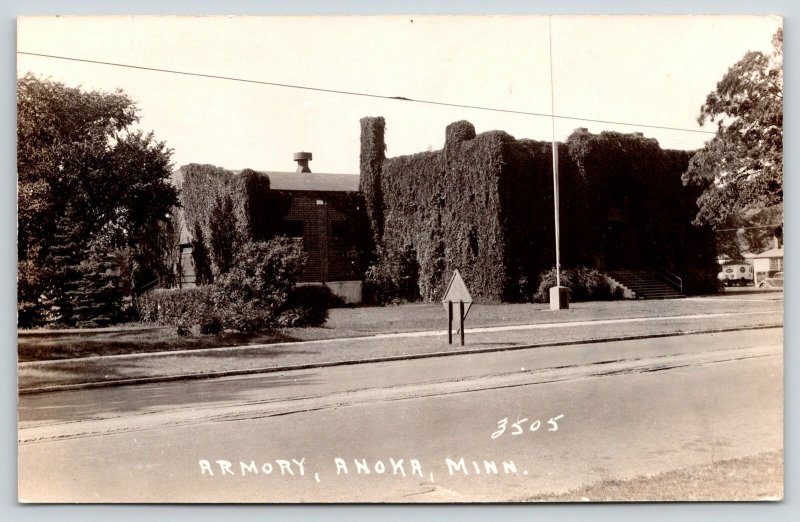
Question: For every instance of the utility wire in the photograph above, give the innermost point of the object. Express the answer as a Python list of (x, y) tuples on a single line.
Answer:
[(746, 228), (362, 94)]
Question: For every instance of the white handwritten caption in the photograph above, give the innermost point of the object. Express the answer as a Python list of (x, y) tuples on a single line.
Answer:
[(518, 427), (396, 467)]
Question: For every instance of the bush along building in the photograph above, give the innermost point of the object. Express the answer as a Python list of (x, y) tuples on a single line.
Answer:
[(223, 210), (484, 205)]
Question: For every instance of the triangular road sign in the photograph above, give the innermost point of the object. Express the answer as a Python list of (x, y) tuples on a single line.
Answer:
[(457, 292)]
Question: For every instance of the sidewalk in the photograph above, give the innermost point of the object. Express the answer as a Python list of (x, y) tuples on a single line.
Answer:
[(205, 363)]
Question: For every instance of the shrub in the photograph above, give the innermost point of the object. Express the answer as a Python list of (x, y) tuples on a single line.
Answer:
[(547, 280), (591, 285), (183, 331), (584, 284), (252, 295), (697, 281), (307, 305), (258, 293), (211, 325), (177, 307)]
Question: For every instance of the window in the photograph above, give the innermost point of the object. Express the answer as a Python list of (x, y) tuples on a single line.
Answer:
[(472, 238), (292, 228), (776, 263)]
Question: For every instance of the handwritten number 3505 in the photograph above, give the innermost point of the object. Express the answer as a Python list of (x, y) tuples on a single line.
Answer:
[(517, 428)]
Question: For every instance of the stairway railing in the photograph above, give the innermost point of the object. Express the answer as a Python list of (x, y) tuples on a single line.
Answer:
[(149, 286), (669, 277)]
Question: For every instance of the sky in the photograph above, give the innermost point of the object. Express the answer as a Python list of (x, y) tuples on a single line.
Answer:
[(643, 70)]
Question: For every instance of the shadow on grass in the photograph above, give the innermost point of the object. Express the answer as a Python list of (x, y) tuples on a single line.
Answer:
[(85, 404), (149, 340)]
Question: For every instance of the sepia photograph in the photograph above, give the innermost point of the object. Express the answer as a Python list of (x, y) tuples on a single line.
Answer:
[(435, 259)]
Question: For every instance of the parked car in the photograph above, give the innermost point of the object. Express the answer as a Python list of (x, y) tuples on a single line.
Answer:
[(776, 281), (738, 274)]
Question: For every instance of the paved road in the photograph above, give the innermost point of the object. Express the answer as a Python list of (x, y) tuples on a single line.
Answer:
[(629, 408)]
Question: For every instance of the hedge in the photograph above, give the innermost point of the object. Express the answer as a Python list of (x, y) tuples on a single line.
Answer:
[(179, 306), (257, 293)]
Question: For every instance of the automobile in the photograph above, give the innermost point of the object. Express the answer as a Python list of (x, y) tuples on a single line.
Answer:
[(776, 281), (736, 274)]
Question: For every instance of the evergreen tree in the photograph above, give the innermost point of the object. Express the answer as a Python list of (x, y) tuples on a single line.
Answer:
[(95, 294)]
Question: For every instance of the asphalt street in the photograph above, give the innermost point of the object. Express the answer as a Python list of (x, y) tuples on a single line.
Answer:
[(485, 427)]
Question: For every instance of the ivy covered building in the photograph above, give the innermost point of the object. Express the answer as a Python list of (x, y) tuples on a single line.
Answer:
[(484, 205), (223, 209)]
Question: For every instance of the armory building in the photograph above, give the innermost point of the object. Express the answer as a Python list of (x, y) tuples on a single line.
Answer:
[(483, 204)]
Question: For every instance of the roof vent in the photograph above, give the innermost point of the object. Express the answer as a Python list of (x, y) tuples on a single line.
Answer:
[(302, 159)]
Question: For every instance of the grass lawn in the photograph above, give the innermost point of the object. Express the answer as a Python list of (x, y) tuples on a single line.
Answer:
[(758, 477), (354, 322), (43, 344), (64, 344)]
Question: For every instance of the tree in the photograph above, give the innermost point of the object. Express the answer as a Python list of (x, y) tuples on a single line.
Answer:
[(751, 230), (85, 181), (95, 295), (741, 168)]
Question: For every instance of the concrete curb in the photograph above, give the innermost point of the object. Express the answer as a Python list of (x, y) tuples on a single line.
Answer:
[(387, 335), (278, 369)]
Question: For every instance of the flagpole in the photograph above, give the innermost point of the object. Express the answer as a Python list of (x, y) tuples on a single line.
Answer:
[(559, 298)]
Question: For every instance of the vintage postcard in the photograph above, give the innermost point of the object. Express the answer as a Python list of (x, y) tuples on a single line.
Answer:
[(400, 259)]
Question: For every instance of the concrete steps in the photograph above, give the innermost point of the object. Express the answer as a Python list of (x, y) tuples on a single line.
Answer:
[(644, 284)]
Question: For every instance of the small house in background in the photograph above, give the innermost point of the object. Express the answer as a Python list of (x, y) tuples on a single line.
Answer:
[(322, 210), (768, 263)]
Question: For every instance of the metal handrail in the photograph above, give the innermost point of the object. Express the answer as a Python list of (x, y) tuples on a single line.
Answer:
[(149, 286), (670, 277)]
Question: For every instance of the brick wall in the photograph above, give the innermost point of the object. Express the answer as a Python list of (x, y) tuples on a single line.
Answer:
[(329, 237)]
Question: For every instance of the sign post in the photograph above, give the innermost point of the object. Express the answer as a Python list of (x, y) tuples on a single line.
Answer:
[(456, 293)]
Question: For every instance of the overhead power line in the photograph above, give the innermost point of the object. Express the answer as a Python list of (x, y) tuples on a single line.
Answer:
[(747, 228), (362, 94)]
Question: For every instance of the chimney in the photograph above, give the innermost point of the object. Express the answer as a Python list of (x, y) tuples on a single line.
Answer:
[(302, 159)]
